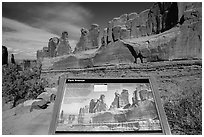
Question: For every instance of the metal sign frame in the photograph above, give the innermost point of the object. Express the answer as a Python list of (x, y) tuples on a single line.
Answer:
[(161, 113)]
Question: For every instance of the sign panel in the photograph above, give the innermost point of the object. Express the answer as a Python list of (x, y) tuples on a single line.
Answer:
[(108, 106)]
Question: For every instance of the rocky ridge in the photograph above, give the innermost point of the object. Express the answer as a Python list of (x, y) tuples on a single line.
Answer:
[(166, 31)]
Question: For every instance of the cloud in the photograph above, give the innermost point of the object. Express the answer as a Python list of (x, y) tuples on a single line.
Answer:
[(21, 38), (27, 27), (52, 17)]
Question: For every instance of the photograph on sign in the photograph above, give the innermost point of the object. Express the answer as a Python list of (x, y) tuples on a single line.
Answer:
[(108, 107)]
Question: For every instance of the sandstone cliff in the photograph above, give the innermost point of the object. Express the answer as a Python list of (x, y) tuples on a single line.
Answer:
[(166, 31)]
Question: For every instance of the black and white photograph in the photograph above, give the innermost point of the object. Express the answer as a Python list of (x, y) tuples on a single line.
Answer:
[(108, 107), (101, 67)]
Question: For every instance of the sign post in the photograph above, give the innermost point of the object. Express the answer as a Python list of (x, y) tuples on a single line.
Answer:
[(108, 105)]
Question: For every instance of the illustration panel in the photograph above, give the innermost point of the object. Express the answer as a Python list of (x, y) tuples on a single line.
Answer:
[(108, 106)]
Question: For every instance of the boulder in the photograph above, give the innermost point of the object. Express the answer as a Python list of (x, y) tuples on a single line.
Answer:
[(39, 105), (30, 102), (4, 55), (51, 90), (44, 95)]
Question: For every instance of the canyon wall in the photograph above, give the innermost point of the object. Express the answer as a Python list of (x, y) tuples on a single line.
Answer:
[(166, 31)]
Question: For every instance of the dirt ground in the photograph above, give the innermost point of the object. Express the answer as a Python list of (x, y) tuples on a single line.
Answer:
[(172, 79)]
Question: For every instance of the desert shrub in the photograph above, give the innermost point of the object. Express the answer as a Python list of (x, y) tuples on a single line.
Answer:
[(18, 86), (185, 114)]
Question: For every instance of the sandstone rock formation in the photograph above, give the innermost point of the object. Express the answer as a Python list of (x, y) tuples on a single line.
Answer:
[(83, 41), (162, 16), (63, 48), (166, 31), (93, 36), (4, 55), (56, 47), (52, 45), (42, 104), (89, 39)]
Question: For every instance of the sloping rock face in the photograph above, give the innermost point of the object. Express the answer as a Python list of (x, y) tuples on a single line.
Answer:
[(89, 38), (113, 54), (4, 55)]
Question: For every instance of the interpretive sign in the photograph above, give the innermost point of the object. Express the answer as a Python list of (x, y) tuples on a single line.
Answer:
[(93, 105)]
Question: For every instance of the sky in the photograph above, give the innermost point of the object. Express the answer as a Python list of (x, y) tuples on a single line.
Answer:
[(27, 27)]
